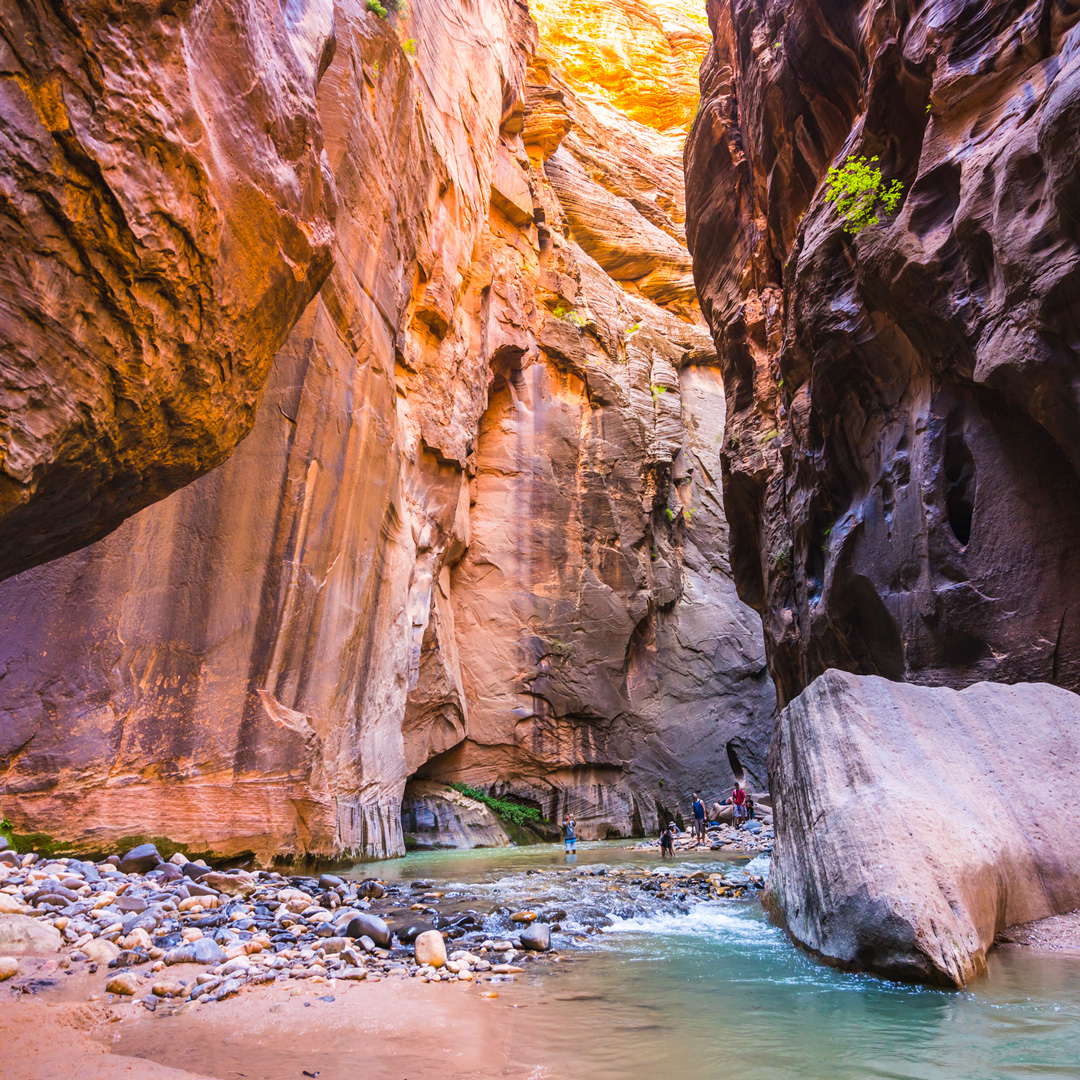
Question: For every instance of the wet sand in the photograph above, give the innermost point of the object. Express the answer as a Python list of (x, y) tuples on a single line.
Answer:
[(1058, 934), (399, 1028)]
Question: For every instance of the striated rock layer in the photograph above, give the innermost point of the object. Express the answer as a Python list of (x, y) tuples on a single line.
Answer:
[(476, 531), (167, 215), (901, 458), (915, 823)]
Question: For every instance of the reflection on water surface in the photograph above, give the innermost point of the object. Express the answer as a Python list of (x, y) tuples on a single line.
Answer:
[(717, 990)]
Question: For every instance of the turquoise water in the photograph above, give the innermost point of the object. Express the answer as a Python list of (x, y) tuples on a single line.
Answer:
[(715, 991)]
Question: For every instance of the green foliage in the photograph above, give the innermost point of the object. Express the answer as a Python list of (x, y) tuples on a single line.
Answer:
[(409, 47), (857, 190), (782, 559), (378, 9), (515, 813), (632, 329), (567, 315), (670, 514), (375, 67), (656, 391), (689, 512), (653, 554)]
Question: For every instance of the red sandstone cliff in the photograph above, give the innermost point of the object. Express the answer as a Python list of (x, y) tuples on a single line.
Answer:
[(167, 215), (476, 530)]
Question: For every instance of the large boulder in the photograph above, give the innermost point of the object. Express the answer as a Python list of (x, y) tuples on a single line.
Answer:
[(915, 823)]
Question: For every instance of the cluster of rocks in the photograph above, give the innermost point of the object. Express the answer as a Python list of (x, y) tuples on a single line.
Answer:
[(751, 838), (147, 920)]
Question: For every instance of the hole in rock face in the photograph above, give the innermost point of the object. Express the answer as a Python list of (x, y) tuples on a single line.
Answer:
[(959, 481), (736, 765), (934, 199)]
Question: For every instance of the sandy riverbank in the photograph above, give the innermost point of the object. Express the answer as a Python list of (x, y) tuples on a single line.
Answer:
[(399, 1028)]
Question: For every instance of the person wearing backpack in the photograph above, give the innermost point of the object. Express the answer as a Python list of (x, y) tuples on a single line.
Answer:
[(699, 819), (667, 842)]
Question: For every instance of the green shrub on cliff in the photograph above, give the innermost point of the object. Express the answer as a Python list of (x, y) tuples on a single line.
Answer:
[(857, 190), (378, 9), (515, 813)]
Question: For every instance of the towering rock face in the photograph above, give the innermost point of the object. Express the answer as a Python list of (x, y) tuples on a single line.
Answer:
[(901, 459), (167, 217), (476, 530)]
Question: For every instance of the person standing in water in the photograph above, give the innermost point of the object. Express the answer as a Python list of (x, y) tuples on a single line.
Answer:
[(571, 834), (699, 819), (667, 842)]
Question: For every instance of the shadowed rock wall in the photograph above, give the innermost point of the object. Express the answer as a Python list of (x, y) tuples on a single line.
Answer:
[(475, 533), (167, 215), (901, 454)]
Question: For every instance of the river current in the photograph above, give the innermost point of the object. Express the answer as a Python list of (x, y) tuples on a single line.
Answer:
[(701, 991)]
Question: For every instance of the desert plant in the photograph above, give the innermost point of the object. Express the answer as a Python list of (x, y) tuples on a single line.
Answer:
[(656, 391), (378, 9), (569, 316), (513, 812), (409, 47), (857, 190), (781, 561)]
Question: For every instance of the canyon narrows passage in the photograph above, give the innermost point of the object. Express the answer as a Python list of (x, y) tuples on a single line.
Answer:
[(423, 421), (476, 532)]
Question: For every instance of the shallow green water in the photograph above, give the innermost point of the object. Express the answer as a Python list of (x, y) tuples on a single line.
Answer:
[(717, 991)]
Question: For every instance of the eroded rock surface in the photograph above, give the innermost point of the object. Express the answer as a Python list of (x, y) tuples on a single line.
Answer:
[(901, 459), (167, 217), (913, 824), (476, 531)]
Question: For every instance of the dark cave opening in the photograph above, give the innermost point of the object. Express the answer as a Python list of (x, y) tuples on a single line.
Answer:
[(959, 482)]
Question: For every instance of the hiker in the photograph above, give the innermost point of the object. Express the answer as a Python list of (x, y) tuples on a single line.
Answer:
[(667, 841), (571, 835), (738, 797), (749, 806), (699, 819)]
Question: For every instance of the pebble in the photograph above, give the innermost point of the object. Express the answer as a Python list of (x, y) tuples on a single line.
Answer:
[(125, 984), (9, 967), (241, 928), (430, 949)]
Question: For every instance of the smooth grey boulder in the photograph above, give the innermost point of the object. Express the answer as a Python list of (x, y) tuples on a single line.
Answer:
[(140, 859), (364, 925), (914, 823), (536, 937)]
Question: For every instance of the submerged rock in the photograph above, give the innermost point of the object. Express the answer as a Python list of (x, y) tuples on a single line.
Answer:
[(915, 823)]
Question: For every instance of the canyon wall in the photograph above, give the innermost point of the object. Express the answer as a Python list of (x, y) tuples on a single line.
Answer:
[(476, 531), (167, 215), (901, 456)]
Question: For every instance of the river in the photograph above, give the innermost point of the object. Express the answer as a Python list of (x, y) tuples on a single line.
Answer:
[(696, 992)]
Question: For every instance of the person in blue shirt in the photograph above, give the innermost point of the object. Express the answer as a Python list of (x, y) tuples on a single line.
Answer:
[(699, 819), (571, 835)]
